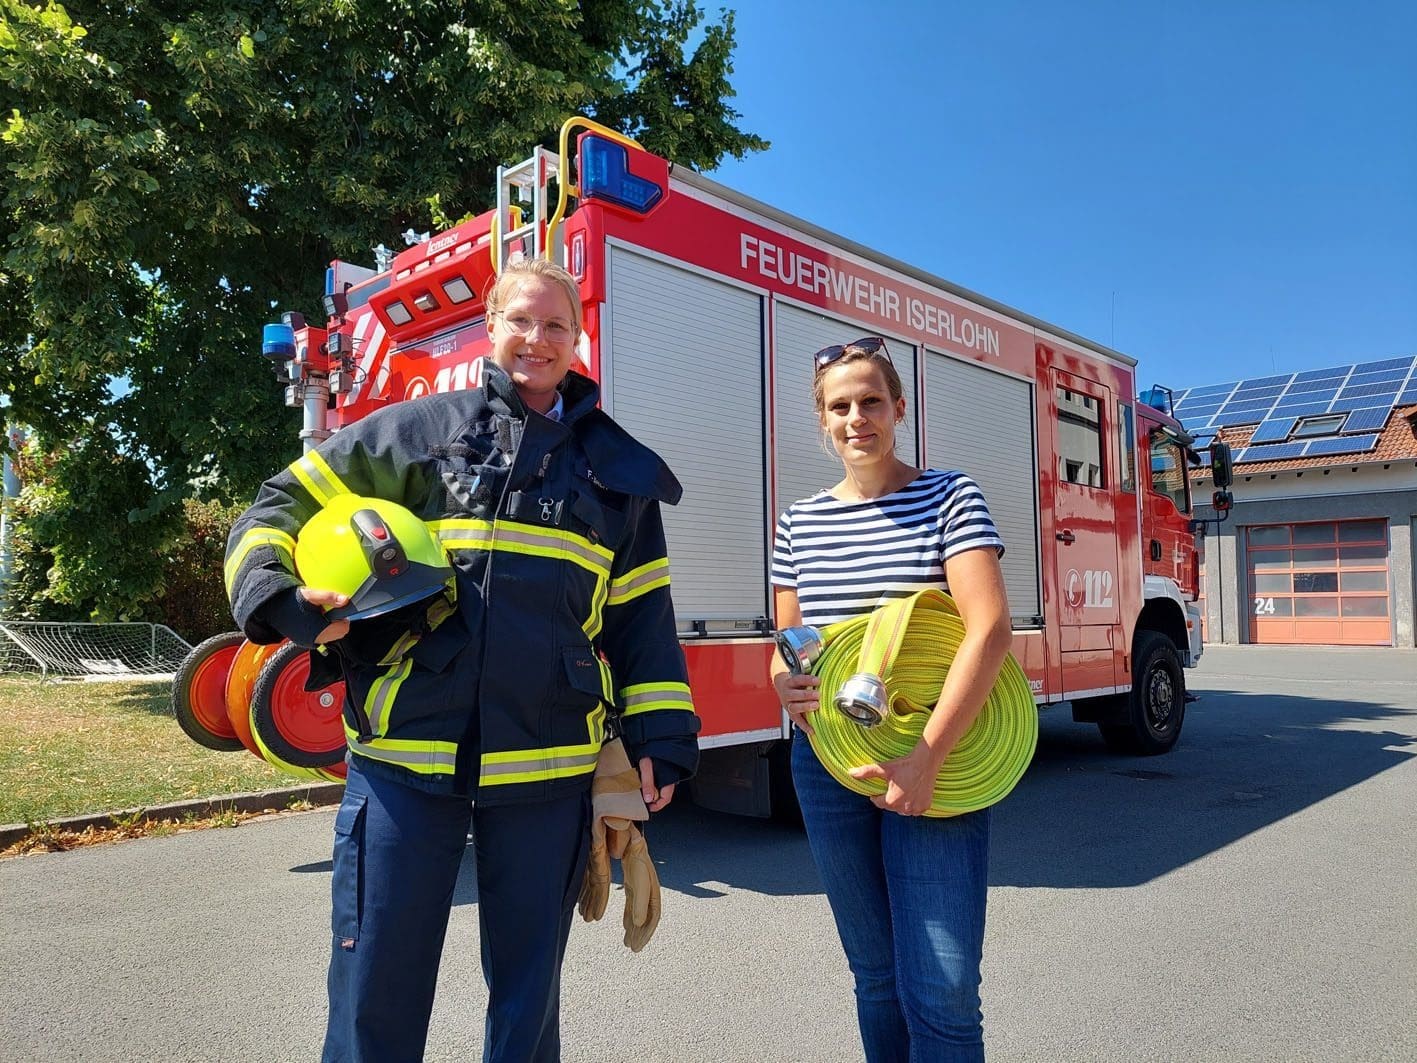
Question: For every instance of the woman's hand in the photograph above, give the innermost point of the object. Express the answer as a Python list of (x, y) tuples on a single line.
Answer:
[(910, 781), (336, 629), (798, 694), (655, 797)]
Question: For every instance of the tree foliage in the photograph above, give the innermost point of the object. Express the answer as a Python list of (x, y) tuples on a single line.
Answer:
[(172, 175)]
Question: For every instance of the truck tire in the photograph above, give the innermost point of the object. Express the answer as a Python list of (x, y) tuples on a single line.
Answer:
[(1156, 704), (199, 692)]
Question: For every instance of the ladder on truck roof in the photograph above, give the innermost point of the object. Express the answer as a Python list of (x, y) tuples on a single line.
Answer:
[(519, 187), (527, 182)]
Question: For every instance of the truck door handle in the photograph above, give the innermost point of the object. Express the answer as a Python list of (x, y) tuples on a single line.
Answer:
[(1067, 538)]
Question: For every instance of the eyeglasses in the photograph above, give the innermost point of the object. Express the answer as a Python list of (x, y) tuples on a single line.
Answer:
[(872, 345), (521, 324)]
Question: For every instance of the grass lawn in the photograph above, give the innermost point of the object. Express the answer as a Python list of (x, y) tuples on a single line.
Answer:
[(69, 749)]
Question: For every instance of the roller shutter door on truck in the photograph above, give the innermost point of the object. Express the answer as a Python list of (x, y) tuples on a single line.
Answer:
[(683, 373), (981, 422), (804, 465), (1320, 583)]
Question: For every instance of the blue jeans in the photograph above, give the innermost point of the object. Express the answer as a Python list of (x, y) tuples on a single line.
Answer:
[(908, 895)]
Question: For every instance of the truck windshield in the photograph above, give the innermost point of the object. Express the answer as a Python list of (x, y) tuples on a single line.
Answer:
[(1168, 473)]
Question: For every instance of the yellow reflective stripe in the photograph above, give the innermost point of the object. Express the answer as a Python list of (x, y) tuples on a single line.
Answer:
[(607, 680), (538, 765), (405, 643), (542, 765), (596, 620), (462, 533), (444, 607), (639, 581), (644, 697), (382, 694), (316, 476), (468, 534), (272, 537), (437, 613), (426, 757), (551, 542)]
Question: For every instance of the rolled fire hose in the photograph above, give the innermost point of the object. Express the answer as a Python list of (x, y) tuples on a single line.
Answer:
[(881, 675)]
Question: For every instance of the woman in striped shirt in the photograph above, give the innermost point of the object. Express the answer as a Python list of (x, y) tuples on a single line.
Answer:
[(907, 892)]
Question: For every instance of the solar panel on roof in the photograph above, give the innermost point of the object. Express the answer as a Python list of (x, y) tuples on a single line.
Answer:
[(1386, 376), (1218, 390), (1363, 394), (1341, 445), (1390, 363), (1385, 393), (1273, 452), (1247, 394), (1272, 430), (1367, 419), (1300, 387), (1301, 409)]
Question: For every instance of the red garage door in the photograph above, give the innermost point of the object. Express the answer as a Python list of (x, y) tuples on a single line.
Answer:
[(1319, 583)]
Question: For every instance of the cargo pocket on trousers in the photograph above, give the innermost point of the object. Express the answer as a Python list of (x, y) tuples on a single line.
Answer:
[(347, 880)]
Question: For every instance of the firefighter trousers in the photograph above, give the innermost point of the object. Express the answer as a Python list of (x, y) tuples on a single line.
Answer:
[(397, 855)]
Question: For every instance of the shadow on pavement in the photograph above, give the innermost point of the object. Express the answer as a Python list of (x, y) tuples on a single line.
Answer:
[(1083, 817)]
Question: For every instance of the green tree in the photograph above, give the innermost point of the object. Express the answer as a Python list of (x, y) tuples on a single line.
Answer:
[(73, 558), (173, 175)]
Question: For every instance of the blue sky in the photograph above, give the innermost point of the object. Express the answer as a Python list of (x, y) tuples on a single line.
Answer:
[(1221, 190)]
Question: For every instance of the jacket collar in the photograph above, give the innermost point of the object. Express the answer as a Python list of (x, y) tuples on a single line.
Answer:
[(579, 394)]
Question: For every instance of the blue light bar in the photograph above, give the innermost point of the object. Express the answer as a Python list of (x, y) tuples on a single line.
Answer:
[(278, 342), (605, 174)]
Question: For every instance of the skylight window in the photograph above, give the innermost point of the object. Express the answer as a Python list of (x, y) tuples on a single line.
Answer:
[(1317, 426)]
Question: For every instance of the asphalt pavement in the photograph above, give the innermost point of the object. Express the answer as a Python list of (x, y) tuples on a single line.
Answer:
[(1250, 896)]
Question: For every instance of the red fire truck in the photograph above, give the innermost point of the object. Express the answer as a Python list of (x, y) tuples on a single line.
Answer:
[(702, 310)]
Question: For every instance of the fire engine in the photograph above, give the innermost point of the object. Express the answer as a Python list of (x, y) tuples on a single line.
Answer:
[(702, 309)]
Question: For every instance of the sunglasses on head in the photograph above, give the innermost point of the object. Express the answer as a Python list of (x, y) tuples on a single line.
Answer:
[(871, 345)]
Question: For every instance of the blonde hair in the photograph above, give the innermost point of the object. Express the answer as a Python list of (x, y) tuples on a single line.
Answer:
[(515, 274), (853, 355)]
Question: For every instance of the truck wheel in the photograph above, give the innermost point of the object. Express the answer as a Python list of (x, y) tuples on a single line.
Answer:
[(199, 692), (1156, 705), (301, 728)]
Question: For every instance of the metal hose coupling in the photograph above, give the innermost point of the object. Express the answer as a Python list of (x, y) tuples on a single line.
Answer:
[(800, 647), (863, 698)]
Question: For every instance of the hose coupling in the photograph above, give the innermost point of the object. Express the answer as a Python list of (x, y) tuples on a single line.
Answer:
[(800, 647), (863, 699)]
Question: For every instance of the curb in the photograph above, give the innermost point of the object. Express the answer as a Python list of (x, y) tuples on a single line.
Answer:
[(263, 801)]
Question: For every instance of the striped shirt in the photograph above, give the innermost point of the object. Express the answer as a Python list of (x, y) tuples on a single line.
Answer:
[(846, 558)]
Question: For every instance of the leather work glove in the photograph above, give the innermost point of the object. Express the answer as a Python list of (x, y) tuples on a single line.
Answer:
[(616, 805), (641, 891)]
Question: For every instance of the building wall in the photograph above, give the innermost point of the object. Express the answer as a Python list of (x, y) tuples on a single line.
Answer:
[(1344, 494)]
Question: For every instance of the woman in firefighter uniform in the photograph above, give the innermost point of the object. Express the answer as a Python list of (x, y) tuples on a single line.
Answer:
[(485, 705)]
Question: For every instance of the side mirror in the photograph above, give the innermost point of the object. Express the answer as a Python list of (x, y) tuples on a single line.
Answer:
[(1222, 470)]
